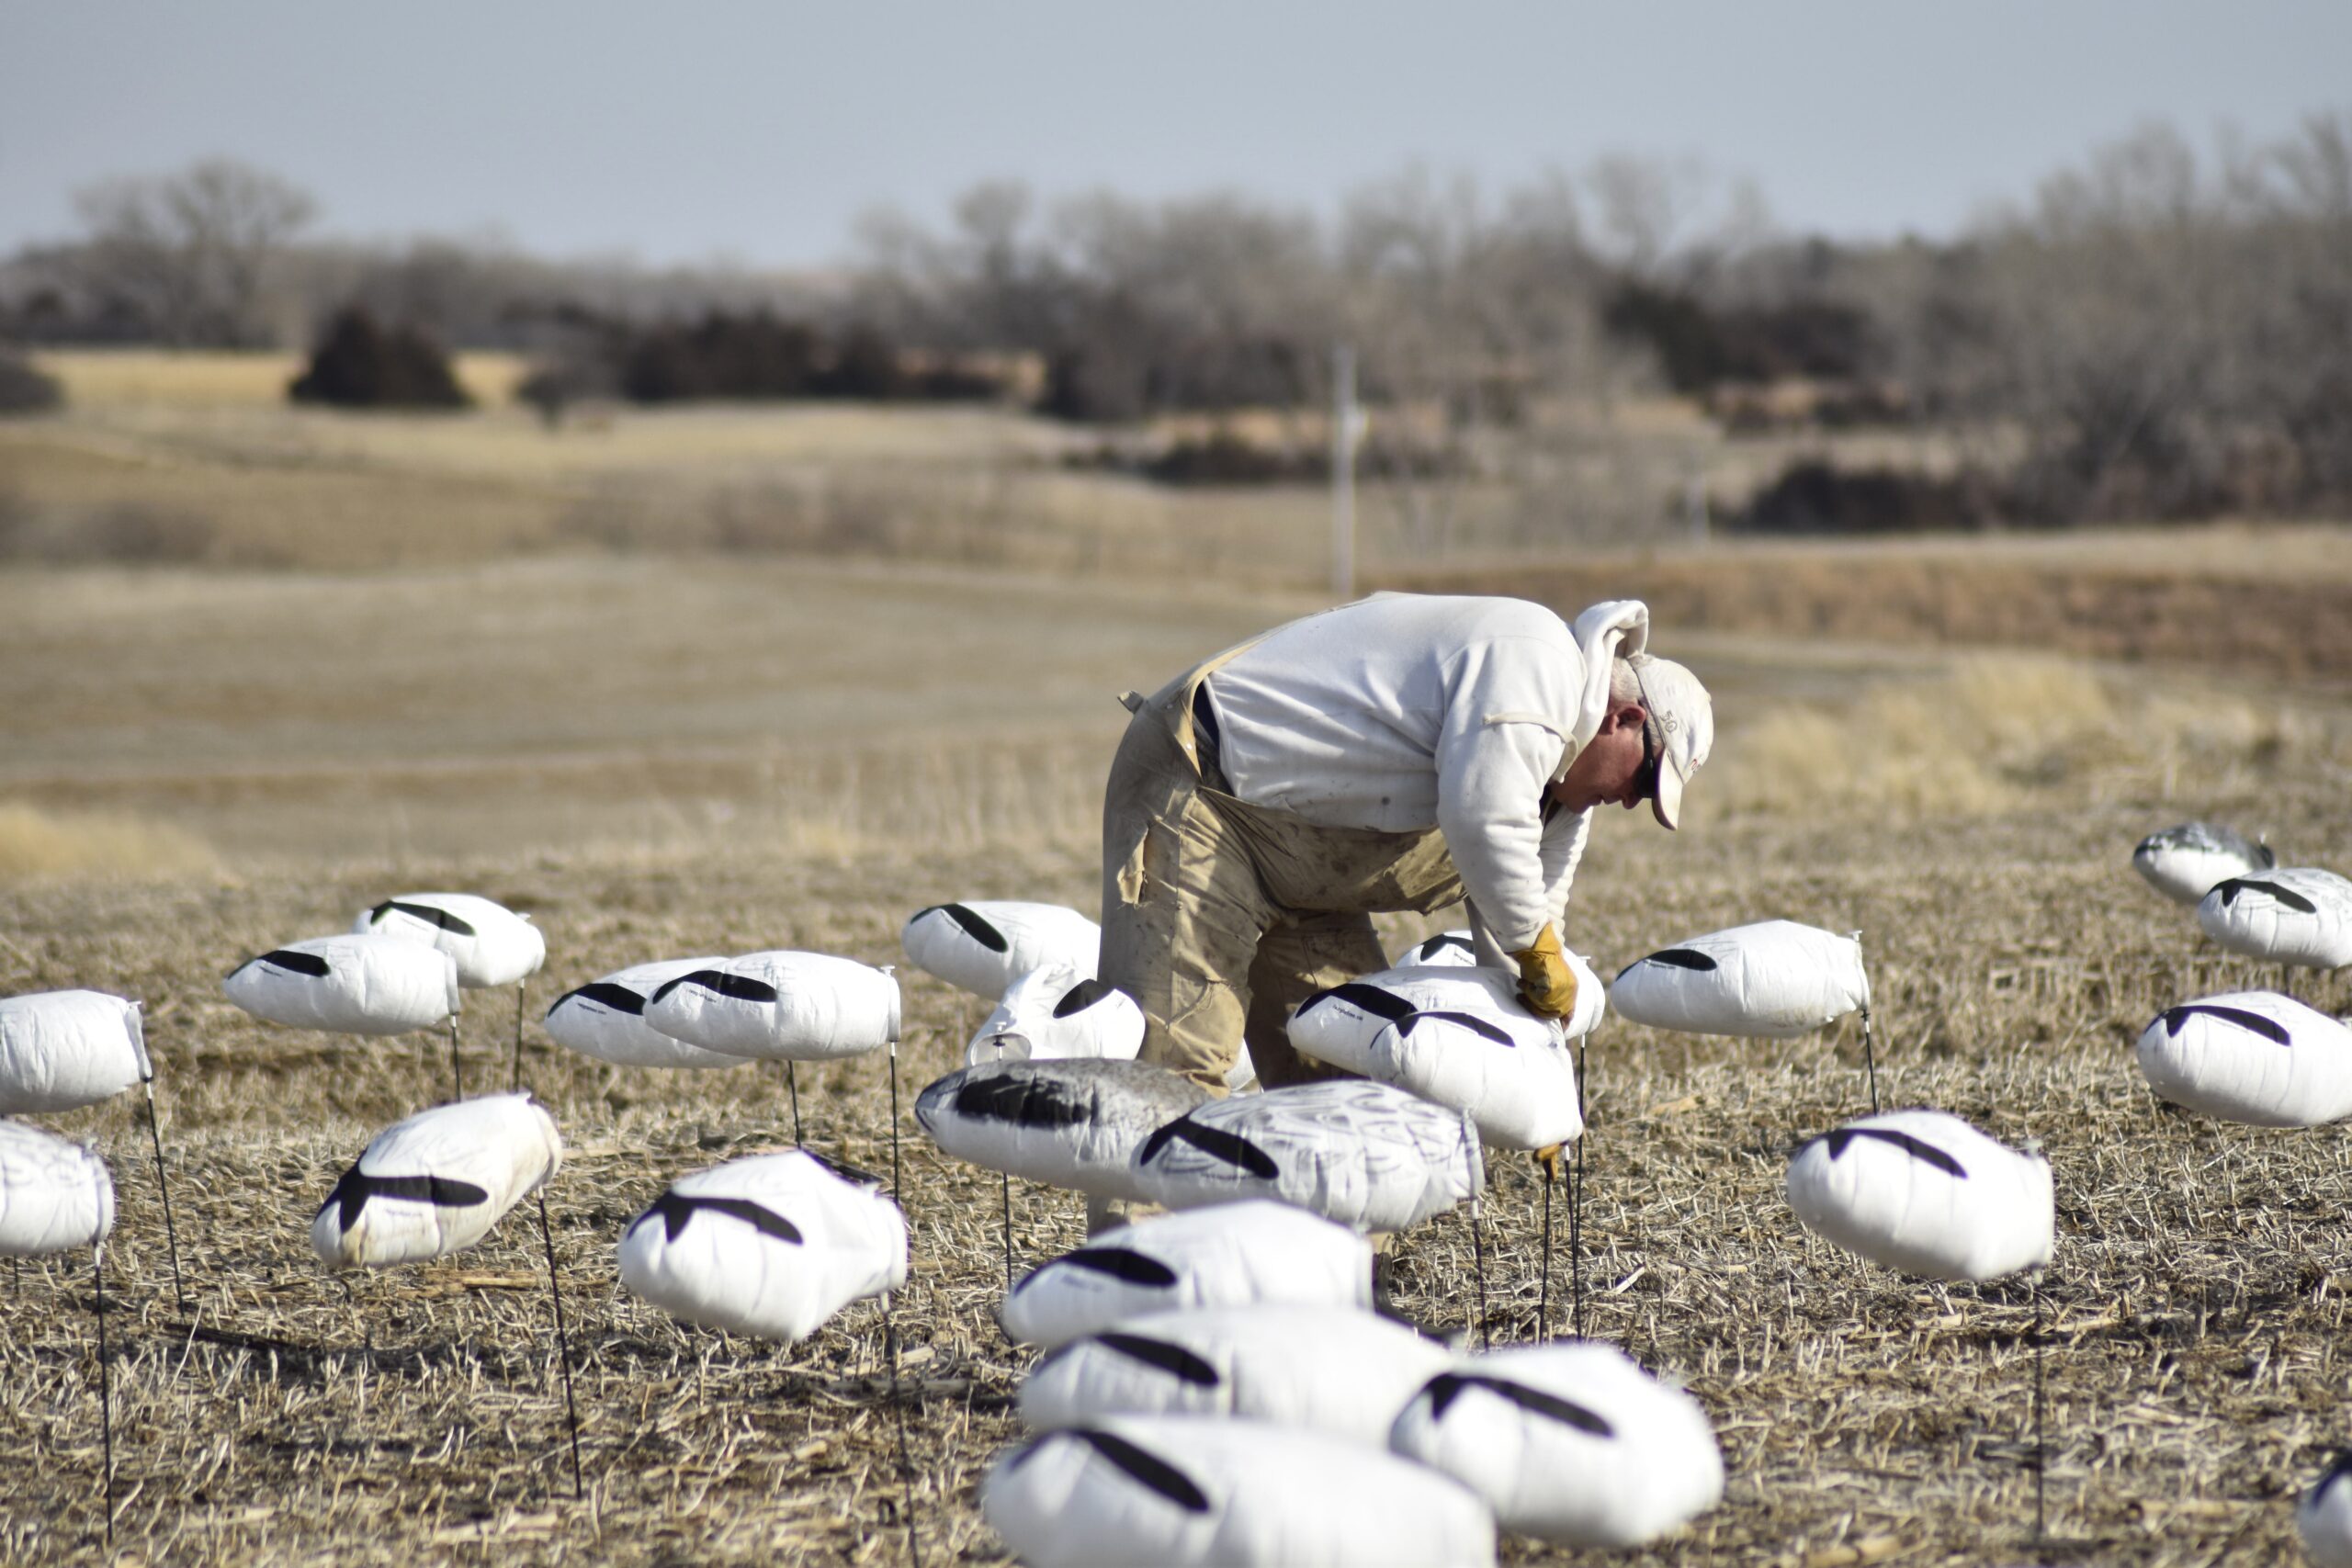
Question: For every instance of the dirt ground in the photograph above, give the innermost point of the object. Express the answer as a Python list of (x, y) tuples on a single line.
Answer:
[(333, 740)]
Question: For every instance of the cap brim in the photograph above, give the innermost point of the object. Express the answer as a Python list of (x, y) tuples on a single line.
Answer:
[(1666, 801)]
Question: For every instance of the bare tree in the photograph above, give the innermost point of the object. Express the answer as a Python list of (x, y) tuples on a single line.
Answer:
[(192, 249)]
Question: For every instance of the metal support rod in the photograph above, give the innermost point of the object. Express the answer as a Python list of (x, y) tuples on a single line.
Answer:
[(163, 1186), (456, 1081), (106, 1391), (897, 1183), (906, 1465), (522, 989), (562, 1344), (1869, 1061), (1544, 1293), (2040, 1452), (1478, 1263), (792, 1082)]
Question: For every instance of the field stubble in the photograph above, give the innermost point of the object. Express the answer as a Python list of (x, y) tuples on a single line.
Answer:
[(1972, 817), (2197, 1357)]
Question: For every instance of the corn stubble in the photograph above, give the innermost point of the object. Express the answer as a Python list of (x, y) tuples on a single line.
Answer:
[(2199, 1355)]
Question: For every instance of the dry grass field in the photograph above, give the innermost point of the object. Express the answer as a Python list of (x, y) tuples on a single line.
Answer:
[(660, 754)]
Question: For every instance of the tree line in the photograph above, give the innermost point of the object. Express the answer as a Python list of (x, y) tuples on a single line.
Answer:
[(2160, 330)]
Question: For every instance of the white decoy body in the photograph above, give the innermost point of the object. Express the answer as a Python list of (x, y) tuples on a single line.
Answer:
[(354, 984), (605, 1018), (1361, 1153), (2323, 1517), (1460, 1037), (772, 1244), (53, 1194), (984, 945), (2300, 915), (1771, 980), (437, 1182), (492, 945), (1234, 1255), (1334, 1370), (63, 1049), (1053, 1014), (780, 1006), (1571, 1443), (1447, 950), (1070, 1123), (1925, 1192), (2251, 1056), (1171, 1492), (2183, 862)]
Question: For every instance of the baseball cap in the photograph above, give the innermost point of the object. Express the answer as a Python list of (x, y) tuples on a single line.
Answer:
[(1681, 727)]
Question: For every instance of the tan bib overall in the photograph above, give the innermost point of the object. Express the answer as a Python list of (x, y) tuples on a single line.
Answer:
[(1220, 917)]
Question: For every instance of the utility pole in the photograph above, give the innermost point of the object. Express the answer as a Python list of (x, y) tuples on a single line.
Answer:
[(1347, 422)]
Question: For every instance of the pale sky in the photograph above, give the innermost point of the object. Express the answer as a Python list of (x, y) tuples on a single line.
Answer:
[(757, 132)]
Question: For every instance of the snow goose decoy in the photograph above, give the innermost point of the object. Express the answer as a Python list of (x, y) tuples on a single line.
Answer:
[(56, 1196), (772, 1244), (1461, 1038), (434, 1184), (1053, 1014), (1332, 1369), (1772, 980), (1926, 1193), (984, 945), (1364, 1155), (1571, 1443), (359, 983), (2251, 1057), (789, 1007), (2183, 862), (1232, 1254), (1168, 1492), (63, 1050), (2299, 916), (605, 1018), (1446, 950), (1071, 1124), (491, 943), (1458, 1035)]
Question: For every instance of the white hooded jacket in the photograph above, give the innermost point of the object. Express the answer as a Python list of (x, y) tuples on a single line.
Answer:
[(1406, 712)]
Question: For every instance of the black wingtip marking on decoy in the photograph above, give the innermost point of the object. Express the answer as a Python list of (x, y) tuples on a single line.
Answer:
[(1446, 1387), (431, 915), (974, 924), (1081, 997), (673, 1209), (1216, 1141), (1146, 1469), (2253, 1022), (1370, 999), (358, 1188), (1127, 1268), (735, 988), (1471, 1021), (2236, 884), (603, 993), (1174, 1359), (1838, 1142), (293, 963)]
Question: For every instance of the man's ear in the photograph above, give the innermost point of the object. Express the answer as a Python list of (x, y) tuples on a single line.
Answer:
[(1623, 715)]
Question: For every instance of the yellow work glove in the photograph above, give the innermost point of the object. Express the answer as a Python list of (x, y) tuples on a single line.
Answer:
[(1547, 984)]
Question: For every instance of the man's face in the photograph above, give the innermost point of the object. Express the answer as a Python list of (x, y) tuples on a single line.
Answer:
[(1617, 767)]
